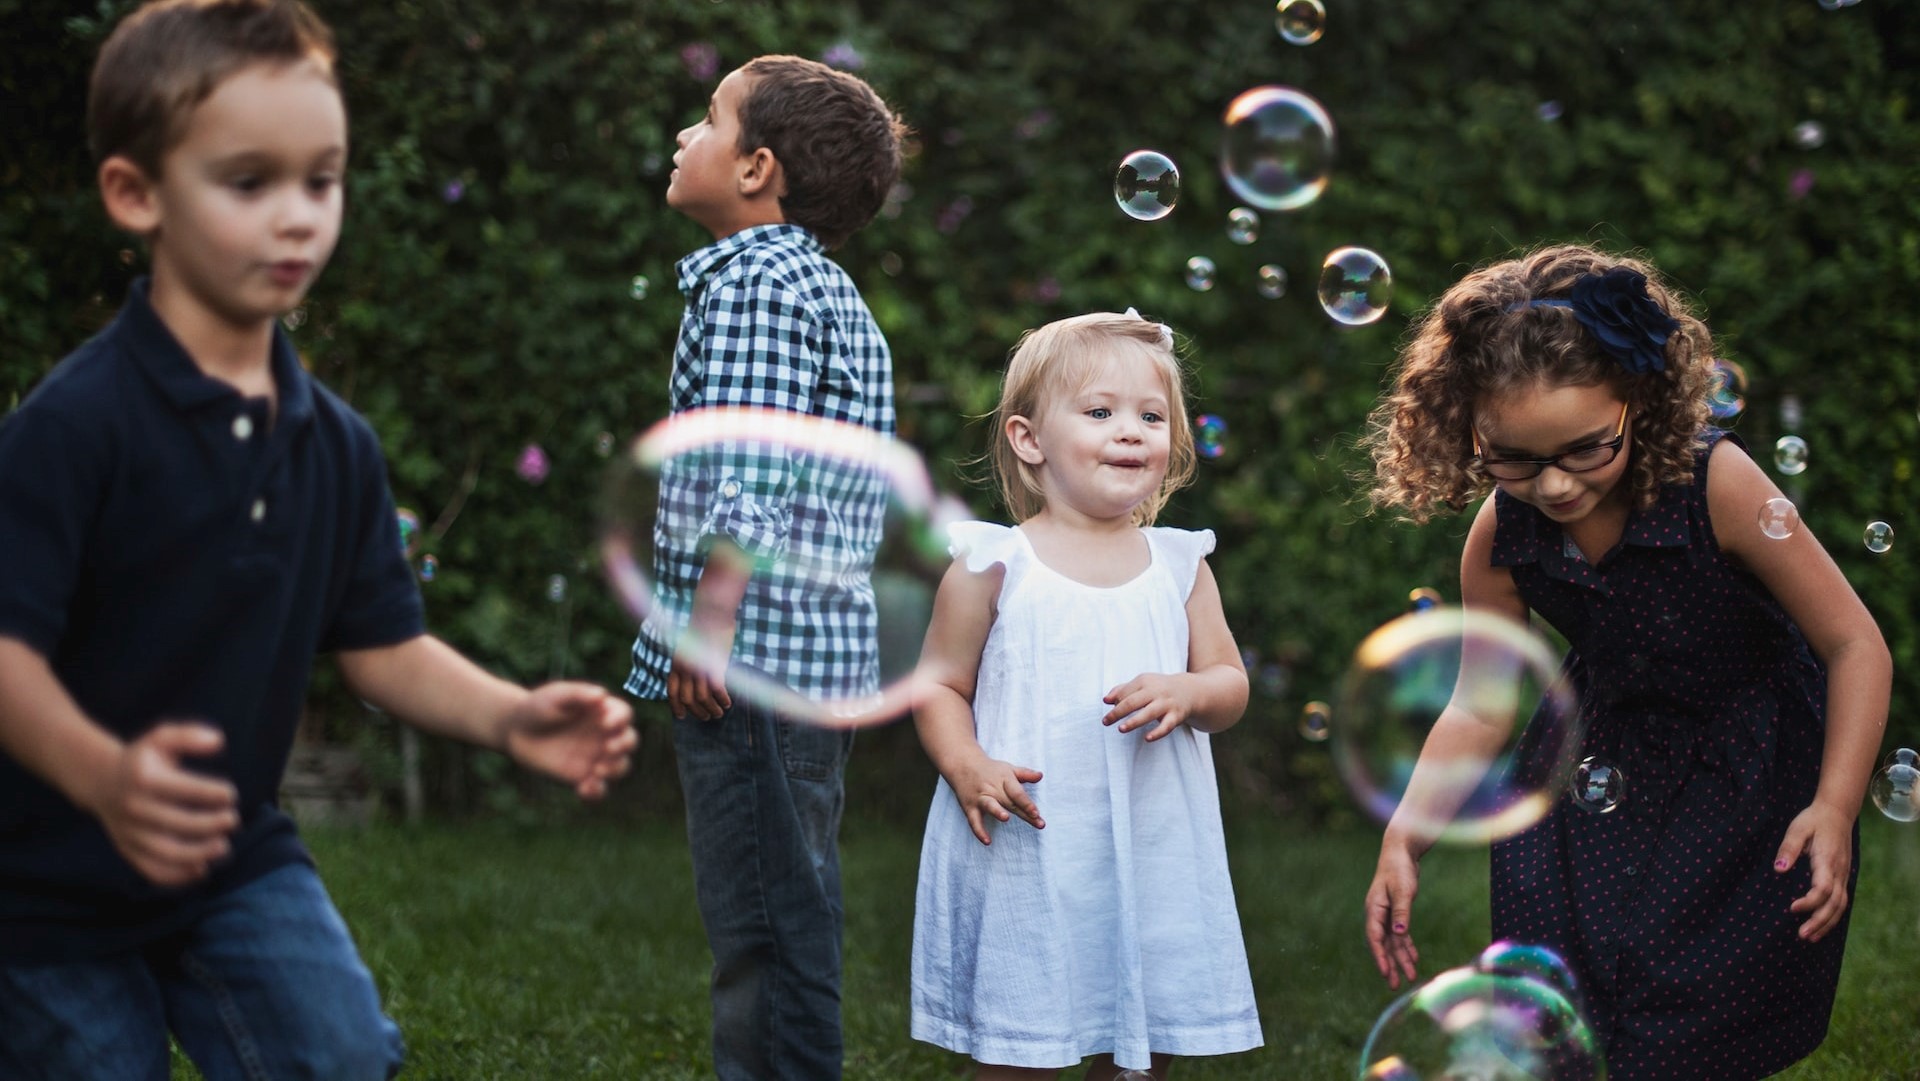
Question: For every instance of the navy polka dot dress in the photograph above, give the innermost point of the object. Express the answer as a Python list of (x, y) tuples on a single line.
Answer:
[(1695, 683)]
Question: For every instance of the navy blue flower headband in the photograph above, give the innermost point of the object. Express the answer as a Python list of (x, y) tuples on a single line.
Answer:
[(1616, 310)]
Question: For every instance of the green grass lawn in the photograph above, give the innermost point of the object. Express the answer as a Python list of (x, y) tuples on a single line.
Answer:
[(573, 951)]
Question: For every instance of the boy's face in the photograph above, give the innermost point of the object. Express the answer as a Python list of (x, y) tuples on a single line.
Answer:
[(705, 181), (248, 203)]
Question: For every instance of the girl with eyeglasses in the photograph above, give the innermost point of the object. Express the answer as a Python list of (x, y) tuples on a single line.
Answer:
[(1733, 679)]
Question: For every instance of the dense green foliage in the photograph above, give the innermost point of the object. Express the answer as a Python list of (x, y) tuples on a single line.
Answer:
[(509, 160), (575, 952)]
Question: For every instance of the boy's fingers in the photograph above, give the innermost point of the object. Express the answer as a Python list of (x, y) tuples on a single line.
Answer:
[(186, 823), (164, 780), (188, 738)]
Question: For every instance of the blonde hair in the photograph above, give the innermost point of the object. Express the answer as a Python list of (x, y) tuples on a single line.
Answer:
[(1064, 356), (1484, 337)]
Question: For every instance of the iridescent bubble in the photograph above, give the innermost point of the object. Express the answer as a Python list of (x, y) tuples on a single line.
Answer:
[(1278, 148), (603, 444), (1300, 22), (1146, 185), (1243, 225), (1273, 281), (1469, 1025), (1355, 286), (1477, 673), (1878, 537), (1779, 518), (1422, 598), (556, 589), (1894, 786), (429, 568), (1727, 393), (1790, 455), (1548, 111), (1510, 958), (1597, 785), (637, 288), (1316, 721), (409, 523), (1200, 273), (1209, 435), (532, 465), (749, 458), (1809, 135), (294, 319)]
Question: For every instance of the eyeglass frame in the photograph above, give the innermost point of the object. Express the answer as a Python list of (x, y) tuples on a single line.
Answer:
[(1480, 460)]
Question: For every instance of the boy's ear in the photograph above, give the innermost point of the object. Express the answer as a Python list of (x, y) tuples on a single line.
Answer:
[(1024, 438), (129, 196), (760, 173)]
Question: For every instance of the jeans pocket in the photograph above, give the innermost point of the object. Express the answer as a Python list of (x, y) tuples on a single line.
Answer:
[(812, 754)]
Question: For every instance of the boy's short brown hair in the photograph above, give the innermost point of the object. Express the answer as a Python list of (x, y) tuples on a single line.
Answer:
[(837, 142), (167, 57)]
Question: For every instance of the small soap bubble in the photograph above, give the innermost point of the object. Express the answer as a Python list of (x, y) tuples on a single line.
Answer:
[(1727, 394), (637, 288), (1355, 286), (1300, 22), (1200, 273), (1809, 135), (1146, 185), (1779, 518), (1878, 537), (295, 319), (1894, 787), (409, 523), (1209, 435), (1548, 111), (1597, 785), (1509, 958), (1790, 455), (1423, 598), (1791, 412), (1273, 281), (429, 568), (532, 465), (1277, 151), (557, 589), (1316, 721), (603, 444), (1243, 225)]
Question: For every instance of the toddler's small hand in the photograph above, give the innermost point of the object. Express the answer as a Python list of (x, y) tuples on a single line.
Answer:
[(1147, 698), (992, 787)]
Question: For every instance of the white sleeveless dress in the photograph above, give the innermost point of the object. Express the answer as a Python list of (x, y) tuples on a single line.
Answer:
[(1112, 930)]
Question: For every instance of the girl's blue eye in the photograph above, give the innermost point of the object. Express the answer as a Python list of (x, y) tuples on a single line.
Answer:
[(1099, 412), (1152, 417)]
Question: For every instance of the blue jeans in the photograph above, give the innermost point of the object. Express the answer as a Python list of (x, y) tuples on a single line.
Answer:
[(763, 799), (266, 984)]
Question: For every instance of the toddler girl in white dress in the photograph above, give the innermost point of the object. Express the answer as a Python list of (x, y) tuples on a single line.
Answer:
[(1076, 664)]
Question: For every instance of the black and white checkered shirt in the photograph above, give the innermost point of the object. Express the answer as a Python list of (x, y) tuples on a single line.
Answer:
[(771, 323)]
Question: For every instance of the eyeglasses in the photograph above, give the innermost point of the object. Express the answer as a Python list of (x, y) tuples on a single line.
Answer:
[(1578, 460)]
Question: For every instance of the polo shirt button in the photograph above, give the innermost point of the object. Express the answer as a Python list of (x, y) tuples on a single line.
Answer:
[(243, 427), (259, 510), (730, 489)]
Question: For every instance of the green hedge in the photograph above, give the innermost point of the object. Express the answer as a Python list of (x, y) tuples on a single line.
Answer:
[(468, 322)]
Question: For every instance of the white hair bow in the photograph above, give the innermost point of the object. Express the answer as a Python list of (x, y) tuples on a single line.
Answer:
[(1166, 332)]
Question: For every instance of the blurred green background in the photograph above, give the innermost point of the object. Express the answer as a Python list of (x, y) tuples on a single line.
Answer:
[(509, 161)]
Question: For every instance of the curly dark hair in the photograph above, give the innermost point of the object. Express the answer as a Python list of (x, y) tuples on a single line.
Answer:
[(837, 142), (1482, 337)]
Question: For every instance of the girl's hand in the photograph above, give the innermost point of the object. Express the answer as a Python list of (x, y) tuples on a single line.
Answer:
[(1396, 878), (1167, 698), (988, 786), (1825, 835)]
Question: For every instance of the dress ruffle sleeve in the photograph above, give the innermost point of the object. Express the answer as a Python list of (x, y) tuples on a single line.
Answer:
[(1183, 549), (982, 544)]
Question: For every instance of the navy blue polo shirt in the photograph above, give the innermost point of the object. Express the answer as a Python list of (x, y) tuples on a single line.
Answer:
[(177, 551)]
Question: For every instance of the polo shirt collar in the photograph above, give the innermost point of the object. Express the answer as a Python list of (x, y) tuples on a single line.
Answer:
[(166, 362), (694, 270)]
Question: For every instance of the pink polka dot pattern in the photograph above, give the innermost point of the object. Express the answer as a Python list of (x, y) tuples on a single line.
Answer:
[(1694, 681)]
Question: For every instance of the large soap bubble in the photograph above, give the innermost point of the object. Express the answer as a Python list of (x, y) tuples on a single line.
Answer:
[(1277, 151), (1471, 1025)]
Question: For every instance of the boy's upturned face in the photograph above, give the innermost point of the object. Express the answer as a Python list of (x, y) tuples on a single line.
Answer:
[(705, 181), (249, 201)]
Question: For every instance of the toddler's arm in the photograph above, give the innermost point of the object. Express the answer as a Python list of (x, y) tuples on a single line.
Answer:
[(169, 822), (1210, 695), (575, 732), (943, 703)]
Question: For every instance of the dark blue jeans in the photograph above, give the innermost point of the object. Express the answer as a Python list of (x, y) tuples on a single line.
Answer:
[(266, 985), (763, 799)]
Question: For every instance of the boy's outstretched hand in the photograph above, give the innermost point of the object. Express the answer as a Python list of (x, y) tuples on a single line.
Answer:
[(576, 732), (169, 822)]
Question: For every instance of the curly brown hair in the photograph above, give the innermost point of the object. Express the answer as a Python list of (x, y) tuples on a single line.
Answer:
[(1483, 337)]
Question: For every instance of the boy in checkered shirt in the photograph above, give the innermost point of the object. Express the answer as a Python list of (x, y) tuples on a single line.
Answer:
[(790, 160)]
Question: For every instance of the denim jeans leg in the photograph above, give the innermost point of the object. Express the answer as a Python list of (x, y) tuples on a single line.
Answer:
[(99, 1020), (268, 984), (763, 802)]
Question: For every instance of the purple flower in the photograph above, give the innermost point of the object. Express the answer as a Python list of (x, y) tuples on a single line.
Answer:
[(1048, 290), (701, 59), (1800, 183), (844, 56), (532, 465), (950, 217), (452, 191), (1630, 327)]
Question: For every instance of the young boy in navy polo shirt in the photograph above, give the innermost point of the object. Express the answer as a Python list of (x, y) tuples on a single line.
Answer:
[(791, 159), (186, 519)]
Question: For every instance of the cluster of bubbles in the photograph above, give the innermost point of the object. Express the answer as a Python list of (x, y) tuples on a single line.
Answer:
[(1597, 785), (1209, 435), (1516, 1012), (1300, 22), (1491, 680), (1894, 785)]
